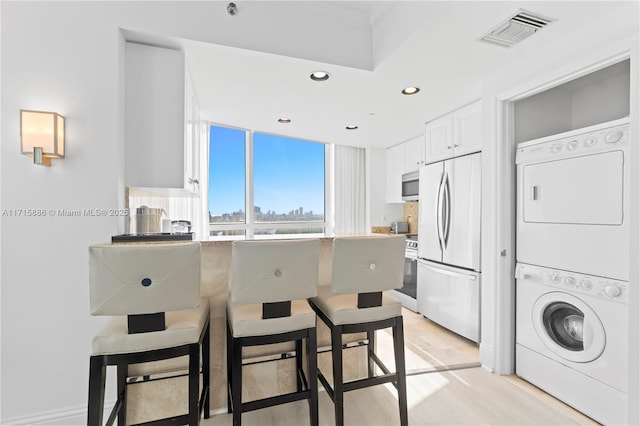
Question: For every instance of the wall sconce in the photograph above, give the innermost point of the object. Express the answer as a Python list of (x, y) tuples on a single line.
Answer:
[(42, 136)]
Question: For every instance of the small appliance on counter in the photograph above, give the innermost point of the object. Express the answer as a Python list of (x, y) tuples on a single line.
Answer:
[(399, 227), (148, 220)]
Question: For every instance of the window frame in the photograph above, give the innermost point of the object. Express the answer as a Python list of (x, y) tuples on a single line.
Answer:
[(250, 225)]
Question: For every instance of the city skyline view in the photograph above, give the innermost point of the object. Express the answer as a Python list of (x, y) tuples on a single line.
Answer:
[(288, 177)]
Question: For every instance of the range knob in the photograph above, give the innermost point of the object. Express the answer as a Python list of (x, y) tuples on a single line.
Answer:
[(613, 136), (612, 290), (570, 281), (586, 285)]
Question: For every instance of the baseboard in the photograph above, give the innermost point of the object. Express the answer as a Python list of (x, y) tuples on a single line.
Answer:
[(69, 416), (63, 417)]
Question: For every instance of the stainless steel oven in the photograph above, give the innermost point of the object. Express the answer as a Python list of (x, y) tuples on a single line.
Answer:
[(407, 295)]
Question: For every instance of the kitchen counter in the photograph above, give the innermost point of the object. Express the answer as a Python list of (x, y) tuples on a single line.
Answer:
[(259, 379)]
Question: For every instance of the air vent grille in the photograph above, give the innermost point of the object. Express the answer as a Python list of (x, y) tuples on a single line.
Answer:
[(515, 29)]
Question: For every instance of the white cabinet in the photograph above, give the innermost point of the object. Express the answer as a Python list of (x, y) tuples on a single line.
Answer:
[(413, 154), (454, 134), (395, 169), (160, 120)]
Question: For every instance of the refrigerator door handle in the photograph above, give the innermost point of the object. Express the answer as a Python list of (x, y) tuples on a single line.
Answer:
[(439, 213), (451, 273), (447, 223)]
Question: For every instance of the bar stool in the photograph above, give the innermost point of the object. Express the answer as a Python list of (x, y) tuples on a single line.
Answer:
[(269, 286), (153, 293), (363, 267)]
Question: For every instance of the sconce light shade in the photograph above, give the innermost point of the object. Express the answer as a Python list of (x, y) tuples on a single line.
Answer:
[(42, 135)]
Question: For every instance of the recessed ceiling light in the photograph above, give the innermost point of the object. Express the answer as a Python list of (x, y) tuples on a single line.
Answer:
[(411, 90), (351, 127), (284, 120), (319, 76)]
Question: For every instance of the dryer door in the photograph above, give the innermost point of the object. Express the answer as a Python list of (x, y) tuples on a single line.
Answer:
[(568, 327)]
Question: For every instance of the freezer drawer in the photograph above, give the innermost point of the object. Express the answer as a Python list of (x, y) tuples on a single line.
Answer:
[(450, 297)]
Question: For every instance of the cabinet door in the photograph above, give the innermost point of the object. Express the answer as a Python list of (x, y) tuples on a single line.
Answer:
[(439, 139), (413, 154), (467, 129), (154, 117), (395, 168)]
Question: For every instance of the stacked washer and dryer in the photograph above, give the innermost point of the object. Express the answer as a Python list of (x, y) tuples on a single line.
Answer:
[(572, 267)]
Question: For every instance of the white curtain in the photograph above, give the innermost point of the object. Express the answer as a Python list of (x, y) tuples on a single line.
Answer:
[(350, 212)]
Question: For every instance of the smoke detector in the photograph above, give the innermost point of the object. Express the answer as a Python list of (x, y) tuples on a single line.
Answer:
[(516, 28)]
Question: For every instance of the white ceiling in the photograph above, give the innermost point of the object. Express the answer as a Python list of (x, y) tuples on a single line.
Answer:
[(373, 49)]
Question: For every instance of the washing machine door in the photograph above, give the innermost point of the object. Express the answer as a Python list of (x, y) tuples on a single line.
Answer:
[(568, 327)]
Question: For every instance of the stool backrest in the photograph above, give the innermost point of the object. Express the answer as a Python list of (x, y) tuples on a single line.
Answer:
[(131, 279), (367, 264), (274, 271)]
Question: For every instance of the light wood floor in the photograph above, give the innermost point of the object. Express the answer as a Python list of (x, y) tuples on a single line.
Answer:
[(467, 396)]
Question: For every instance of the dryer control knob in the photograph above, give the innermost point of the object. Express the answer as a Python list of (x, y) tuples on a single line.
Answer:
[(555, 278), (590, 141), (570, 281), (613, 136), (586, 284), (612, 290), (573, 145)]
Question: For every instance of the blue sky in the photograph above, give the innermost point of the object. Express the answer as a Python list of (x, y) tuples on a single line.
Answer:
[(288, 173)]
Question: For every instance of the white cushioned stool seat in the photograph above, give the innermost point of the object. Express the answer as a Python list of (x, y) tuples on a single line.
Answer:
[(246, 319), (363, 268), (343, 308), (159, 324), (183, 327), (267, 307)]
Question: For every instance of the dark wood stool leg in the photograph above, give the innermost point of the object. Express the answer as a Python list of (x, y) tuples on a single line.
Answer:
[(236, 381), (229, 365), (398, 349), (371, 349), (123, 372), (206, 370), (299, 364), (96, 391), (336, 355), (312, 361), (194, 383)]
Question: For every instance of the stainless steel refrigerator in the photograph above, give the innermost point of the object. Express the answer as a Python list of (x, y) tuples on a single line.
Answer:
[(449, 244)]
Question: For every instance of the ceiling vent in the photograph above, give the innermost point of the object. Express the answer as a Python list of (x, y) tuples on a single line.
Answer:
[(517, 28)]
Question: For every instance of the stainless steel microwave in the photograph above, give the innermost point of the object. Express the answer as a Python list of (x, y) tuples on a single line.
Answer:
[(410, 186)]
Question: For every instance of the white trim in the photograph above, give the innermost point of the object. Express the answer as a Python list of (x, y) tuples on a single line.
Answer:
[(633, 386), (76, 415)]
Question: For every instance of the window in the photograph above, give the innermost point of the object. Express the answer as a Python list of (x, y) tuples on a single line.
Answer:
[(227, 175), (280, 180)]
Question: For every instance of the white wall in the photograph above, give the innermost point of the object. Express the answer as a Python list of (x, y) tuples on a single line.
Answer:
[(46, 328)]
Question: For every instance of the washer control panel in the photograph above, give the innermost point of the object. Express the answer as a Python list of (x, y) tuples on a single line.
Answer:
[(605, 137), (604, 288)]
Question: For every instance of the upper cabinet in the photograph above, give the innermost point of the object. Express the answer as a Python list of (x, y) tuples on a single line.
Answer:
[(454, 134), (160, 121), (395, 169), (413, 154)]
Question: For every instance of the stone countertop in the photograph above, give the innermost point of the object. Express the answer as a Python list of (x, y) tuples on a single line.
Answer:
[(228, 239)]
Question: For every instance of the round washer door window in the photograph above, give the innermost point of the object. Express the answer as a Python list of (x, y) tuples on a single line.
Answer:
[(568, 327)]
